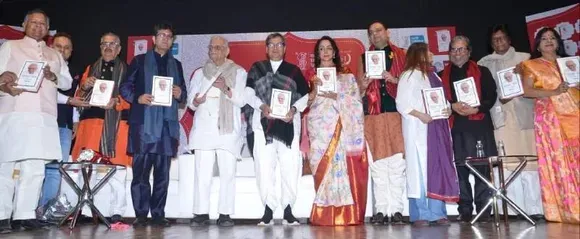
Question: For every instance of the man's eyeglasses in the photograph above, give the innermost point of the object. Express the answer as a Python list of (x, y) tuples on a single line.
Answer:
[(276, 45), (165, 35), (458, 50), (109, 44)]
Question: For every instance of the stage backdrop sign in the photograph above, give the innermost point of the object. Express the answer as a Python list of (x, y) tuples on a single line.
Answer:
[(565, 20), (247, 48)]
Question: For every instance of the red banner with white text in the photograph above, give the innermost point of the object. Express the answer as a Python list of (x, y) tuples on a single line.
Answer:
[(565, 20)]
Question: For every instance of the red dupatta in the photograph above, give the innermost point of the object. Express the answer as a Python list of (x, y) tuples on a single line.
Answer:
[(472, 71), (373, 91)]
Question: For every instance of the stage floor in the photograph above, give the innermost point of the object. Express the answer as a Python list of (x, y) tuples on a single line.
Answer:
[(516, 229)]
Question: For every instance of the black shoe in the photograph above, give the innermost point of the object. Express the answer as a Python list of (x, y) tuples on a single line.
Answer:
[(140, 222), (225, 221), (116, 218), (5, 226), (16, 226), (397, 218), (267, 218), (200, 220), (538, 217), (32, 224), (289, 218), (385, 220), (378, 218), (160, 222), (464, 218)]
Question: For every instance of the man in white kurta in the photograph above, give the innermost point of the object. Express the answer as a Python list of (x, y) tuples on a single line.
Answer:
[(282, 151), (28, 122), (216, 94), (513, 120)]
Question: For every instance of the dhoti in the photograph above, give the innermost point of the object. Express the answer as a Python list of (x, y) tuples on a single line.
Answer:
[(387, 165)]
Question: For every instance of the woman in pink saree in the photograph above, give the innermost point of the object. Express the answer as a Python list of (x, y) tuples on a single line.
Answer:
[(556, 126), (337, 147)]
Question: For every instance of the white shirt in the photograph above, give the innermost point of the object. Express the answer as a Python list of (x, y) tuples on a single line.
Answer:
[(62, 99), (275, 65), (28, 121), (205, 132)]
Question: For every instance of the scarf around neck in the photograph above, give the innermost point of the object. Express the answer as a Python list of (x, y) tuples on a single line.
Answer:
[(156, 116), (276, 128), (441, 173), (228, 70), (108, 141), (472, 71), (373, 91)]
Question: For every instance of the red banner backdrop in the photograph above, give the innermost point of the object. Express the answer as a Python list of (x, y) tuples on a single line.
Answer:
[(565, 20), (245, 53), (15, 33), (298, 51)]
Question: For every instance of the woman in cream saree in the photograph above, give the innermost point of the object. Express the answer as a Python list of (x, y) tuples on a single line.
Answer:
[(337, 146)]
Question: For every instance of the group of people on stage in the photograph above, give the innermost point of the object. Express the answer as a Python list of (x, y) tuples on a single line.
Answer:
[(367, 125)]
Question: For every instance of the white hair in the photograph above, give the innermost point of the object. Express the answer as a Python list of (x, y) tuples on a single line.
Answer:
[(461, 38), (117, 38), (226, 42)]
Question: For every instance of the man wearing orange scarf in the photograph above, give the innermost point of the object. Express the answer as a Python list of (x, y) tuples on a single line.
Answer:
[(105, 129), (470, 124), (383, 130)]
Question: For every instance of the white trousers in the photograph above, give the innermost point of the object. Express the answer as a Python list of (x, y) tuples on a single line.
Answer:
[(266, 159), (388, 177), (204, 165), (20, 201), (110, 200), (524, 191)]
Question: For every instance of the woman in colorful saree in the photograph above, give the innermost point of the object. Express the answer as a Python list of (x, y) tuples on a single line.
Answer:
[(556, 125), (337, 146)]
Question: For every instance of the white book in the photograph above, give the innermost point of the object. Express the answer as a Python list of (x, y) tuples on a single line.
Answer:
[(162, 91), (570, 69), (280, 103), (510, 83), (466, 91), (435, 102), (31, 75), (102, 92), (375, 64), (328, 77)]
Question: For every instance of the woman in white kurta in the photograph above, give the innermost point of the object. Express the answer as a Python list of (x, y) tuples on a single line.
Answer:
[(216, 95), (426, 202)]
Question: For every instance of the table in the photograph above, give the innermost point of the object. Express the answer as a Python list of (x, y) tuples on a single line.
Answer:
[(500, 192), (86, 193)]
